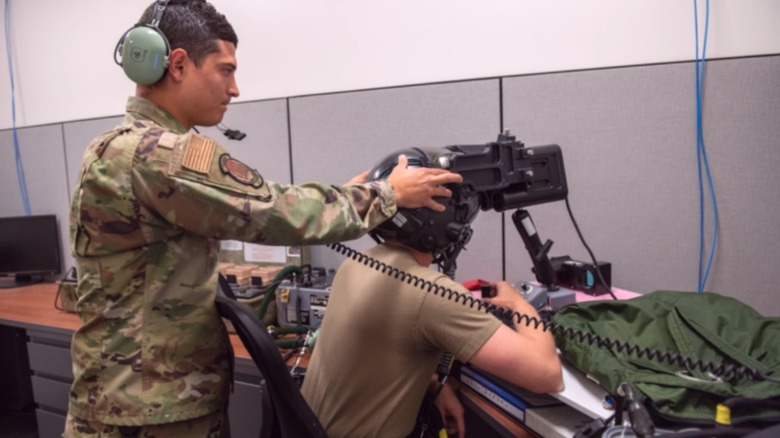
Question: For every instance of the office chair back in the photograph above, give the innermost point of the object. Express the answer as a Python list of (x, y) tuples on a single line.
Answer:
[(289, 414)]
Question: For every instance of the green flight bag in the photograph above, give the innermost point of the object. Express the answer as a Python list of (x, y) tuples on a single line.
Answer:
[(671, 331)]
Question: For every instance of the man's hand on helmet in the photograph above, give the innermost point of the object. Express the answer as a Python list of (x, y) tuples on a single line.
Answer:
[(416, 187)]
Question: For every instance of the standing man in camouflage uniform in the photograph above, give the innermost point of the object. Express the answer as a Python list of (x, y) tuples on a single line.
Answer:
[(151, 202)]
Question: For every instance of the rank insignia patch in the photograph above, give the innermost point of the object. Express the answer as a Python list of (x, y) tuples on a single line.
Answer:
[(167, 140), (240, 171), (198, 155)]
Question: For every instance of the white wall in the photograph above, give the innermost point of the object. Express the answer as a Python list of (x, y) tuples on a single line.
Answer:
[(64, 70)]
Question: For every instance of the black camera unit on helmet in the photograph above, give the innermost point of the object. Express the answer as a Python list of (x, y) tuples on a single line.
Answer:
[(508, 175), (500, 175)]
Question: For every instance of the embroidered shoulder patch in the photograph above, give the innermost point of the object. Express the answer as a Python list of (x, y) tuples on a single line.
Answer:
[(240, 171), (198, 154)]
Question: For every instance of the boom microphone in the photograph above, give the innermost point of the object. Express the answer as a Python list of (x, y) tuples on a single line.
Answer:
[(233, 134)]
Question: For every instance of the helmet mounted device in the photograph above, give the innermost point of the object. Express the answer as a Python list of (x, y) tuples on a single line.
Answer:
[(444, 234)]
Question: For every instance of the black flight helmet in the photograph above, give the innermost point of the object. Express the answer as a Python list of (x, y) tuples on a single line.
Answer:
[(442, 233)]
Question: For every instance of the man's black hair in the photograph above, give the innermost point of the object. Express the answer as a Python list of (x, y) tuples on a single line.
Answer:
[(194, 26)]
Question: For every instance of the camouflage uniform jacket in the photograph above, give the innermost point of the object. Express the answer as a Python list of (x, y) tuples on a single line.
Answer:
[(149, 207)]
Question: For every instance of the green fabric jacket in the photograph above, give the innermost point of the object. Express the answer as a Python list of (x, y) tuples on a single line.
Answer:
[(707, 327)]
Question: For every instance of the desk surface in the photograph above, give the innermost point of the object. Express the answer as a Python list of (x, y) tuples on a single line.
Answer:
[(34, 305), (619, 294)]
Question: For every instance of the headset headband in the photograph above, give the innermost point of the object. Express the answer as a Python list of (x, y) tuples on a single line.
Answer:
[(159, 9)]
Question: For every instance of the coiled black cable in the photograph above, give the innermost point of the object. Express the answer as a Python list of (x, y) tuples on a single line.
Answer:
[(727, 371)]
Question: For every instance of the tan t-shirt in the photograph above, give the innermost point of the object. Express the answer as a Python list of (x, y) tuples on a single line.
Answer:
[(379, 345)]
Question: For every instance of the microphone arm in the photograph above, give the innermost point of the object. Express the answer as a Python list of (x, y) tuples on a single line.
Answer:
[(233, 134), (543, 267)]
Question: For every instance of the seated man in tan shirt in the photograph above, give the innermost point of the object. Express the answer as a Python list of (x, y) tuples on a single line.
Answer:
[(382, 337)]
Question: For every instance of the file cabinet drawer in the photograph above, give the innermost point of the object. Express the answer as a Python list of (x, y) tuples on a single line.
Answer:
[(51, 393), (50, 360), (50, 425)]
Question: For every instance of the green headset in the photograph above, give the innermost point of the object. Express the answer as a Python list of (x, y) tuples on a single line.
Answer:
[(144, 49)]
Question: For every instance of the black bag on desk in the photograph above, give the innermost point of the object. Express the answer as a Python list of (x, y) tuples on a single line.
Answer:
[(707, 327)]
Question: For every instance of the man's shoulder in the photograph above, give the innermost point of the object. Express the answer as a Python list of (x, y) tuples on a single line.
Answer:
[(398, 259), (151, 139), (129, 129)]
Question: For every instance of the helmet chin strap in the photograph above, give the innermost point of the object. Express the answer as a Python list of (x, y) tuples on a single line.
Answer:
[(446, 257)]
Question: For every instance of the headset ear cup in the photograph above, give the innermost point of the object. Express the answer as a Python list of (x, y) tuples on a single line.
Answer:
[(144, 51)]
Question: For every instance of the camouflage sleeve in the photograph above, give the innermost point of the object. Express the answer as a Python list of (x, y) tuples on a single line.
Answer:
[(192, 182)]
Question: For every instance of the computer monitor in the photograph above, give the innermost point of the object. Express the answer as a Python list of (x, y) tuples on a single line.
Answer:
[(29, 249)]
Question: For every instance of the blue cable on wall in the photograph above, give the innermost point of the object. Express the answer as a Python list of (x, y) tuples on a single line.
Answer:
[(701, 153), (18, 153)]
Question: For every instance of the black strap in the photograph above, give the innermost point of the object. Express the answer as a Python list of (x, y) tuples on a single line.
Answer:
[(224, 288)]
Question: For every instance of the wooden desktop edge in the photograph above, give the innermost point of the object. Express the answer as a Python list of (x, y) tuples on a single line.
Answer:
[(31, 306), (34, 305)]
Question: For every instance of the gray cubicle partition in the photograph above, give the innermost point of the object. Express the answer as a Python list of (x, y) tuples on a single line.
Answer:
[(46, 179), (629, 143)]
